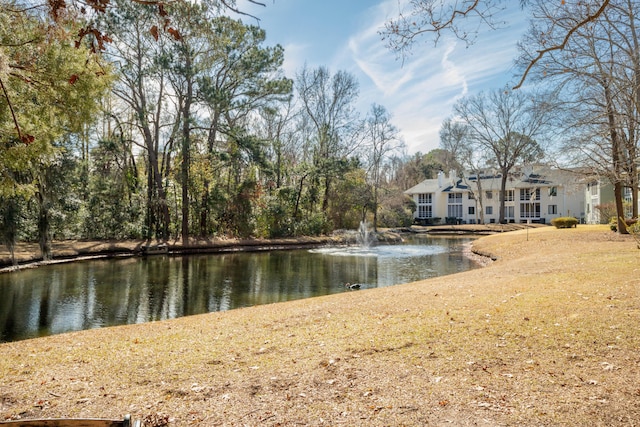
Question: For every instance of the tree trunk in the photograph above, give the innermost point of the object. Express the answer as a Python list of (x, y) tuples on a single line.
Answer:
[(327, 191), (44, 226), (636, 80), (186, 142), (615, 157), (298, 197), (480, 199), (154, 178), (10, 225), (503, 191), (617, 192), (150, 219), (375, 208)]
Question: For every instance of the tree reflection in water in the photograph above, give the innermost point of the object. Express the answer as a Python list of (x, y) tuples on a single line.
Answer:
[(92, 294)]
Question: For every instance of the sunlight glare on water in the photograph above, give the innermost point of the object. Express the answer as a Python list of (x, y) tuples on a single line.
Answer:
[(393, 251)]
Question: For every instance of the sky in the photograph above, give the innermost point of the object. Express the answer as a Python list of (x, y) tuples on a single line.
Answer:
[(418, 91)]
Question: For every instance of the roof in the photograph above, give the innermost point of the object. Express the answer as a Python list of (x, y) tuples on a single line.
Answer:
[(458, 187), (426, 186), (521, 177)]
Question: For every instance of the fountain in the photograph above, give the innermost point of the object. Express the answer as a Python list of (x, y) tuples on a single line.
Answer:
[(364, 236)]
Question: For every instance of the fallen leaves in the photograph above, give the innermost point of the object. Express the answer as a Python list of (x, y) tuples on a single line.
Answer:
[(156, 420), (415, 369)]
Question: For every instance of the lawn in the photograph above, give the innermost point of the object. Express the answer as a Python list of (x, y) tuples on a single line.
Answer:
[(548, 334)]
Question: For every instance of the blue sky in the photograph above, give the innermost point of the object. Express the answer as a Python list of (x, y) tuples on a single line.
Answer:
[(419, 92)]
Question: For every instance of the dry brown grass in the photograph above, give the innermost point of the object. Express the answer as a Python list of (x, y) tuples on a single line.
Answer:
[(547, 335)]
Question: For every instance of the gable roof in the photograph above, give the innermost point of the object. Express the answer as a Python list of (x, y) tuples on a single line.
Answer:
[(426, 186), (521, 177), (458, 187)]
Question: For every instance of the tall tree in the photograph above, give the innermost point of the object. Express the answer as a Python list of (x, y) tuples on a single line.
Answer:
[(598, 73), (382, 140), (184, 62), (240, 78), (141, 89), (503, 125), (327, 102), (51, 88), (453, 140)]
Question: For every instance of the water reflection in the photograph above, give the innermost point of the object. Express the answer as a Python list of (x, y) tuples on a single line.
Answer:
[(84, 295)]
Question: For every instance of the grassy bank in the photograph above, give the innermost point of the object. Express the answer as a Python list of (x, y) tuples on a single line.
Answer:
[(546, 335)]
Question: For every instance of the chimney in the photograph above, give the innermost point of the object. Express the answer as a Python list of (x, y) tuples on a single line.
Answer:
[(440, 179)]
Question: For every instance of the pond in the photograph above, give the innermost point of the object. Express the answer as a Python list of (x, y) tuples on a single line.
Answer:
[(90, 294)]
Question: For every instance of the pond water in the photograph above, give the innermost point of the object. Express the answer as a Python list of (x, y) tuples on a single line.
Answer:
[(91, 294)]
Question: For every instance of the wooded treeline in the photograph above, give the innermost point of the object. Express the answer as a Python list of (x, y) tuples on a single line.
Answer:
[(128, 119), (191, 130)]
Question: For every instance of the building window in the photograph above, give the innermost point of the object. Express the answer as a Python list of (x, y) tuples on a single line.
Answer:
[(489, 210), (509, 212), (529, 210), (489, 194), (509, 195), (425, 211), (425, 198), (472, 210), (425, 208), (594, 188), (455, 198), (454, 209), (527, 193), (553, 209), (553, 191)]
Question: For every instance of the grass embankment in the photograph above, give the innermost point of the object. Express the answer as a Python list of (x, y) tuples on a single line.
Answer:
[(546, 335)]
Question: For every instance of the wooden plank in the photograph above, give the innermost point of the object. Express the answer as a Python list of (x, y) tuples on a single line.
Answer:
[(66, 423)]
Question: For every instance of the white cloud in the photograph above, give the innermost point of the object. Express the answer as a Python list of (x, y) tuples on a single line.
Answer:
[(294, 58), (420, 91), (452, 72)]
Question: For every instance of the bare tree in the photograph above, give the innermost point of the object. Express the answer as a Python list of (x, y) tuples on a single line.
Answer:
[(502, 125), (466, 18), (327, 104), (453, 140), (382, 139), (598, 74)]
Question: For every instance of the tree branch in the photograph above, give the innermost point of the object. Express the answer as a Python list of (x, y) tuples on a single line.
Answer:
[(541, 53), (27, 139)]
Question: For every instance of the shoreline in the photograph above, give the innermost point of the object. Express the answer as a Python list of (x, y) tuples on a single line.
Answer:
[(475, 256), (76, 250), (66, 251)]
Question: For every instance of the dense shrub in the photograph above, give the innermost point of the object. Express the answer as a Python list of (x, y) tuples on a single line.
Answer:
[(564, 222), (632, 224), (394, 216)]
